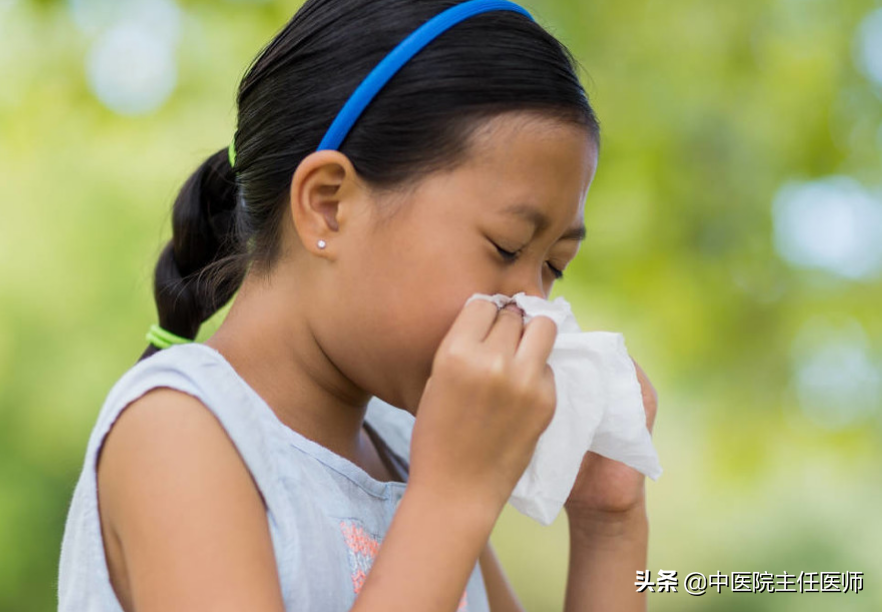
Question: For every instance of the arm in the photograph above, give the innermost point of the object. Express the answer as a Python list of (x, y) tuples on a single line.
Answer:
[(428, 553), (604, 559), (461, 476), (184, 525), (500, 594), (609, 528), (171, 483), (605, 553)]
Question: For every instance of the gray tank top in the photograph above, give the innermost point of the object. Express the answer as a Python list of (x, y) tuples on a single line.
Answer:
[(327, 516)]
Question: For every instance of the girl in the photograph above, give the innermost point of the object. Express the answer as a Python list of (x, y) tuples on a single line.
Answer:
[(353, 216)]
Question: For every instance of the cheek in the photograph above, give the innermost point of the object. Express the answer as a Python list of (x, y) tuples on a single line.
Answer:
[(427, 299), (402, 303), (412, 331), (385, 338)]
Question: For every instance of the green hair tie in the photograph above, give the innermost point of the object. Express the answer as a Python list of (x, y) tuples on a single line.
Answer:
[(163, 339), (231, 154)]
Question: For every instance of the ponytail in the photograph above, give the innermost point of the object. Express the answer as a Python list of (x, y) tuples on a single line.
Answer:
[(202, 265)]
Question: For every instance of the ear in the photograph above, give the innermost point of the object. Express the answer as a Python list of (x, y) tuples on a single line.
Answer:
[(323, 196)]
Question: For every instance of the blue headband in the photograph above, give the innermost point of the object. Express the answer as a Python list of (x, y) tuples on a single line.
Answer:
[(396, 58)]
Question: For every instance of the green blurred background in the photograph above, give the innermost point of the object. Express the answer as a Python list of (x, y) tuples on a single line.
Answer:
[(735, 239)]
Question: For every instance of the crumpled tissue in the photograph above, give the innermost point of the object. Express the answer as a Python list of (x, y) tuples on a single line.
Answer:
[(599, 408)]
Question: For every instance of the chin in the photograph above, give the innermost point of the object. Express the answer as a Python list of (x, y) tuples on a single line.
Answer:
[(412, 397), (405, 389), (402, 398), (410, 402)]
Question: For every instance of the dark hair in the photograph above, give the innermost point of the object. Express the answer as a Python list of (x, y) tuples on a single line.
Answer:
[(225, 220)]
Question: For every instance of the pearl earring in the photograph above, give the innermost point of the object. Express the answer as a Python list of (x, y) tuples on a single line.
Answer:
[(322, 244)]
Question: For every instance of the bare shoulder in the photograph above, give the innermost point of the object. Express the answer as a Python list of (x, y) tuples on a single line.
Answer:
[(183, 522)]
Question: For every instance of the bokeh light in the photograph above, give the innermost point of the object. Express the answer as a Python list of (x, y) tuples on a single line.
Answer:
[(131, 66), (833, 224), (868, 46), (160, 17), (837, 380), (131, 70)]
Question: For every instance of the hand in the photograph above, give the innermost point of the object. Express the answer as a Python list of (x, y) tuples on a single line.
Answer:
[(609, 488), (489, 397)]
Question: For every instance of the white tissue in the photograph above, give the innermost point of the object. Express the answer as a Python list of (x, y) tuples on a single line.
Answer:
[(599, 408)]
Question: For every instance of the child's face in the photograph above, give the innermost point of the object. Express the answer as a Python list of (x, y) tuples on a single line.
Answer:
[(400, 289)]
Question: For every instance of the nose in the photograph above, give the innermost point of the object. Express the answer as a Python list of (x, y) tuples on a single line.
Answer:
[(533, 288)]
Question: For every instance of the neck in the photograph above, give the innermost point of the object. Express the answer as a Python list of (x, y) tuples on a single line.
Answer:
[(266, 337)]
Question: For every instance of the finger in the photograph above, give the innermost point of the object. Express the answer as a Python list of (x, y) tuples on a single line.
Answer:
[(537, 342), (506, 331), (472, 323)]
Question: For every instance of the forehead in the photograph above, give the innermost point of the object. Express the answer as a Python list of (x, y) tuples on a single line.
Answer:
[(520, 162), (515, 164)]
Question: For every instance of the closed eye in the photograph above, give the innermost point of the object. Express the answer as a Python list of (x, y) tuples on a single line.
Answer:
[(509, 256)]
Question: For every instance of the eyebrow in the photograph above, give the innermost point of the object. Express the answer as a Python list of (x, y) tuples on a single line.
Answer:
[(541, 221)]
